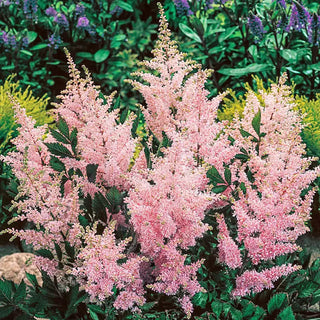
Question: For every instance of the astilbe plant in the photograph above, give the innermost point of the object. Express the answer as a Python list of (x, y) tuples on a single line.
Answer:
[(119, 229)]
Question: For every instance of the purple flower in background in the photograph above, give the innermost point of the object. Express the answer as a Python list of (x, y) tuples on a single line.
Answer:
[(208, 4), (314, 30), (9, 41), (54, 41), (24, 42), (116, 11), (256, 28), (80, 9), (51, 12), (61, 20), (83, 22), (299, 18), (183, 8), (282, 3), (30, 8)]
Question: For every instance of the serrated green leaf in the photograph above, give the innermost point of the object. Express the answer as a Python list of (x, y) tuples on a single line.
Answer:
[(217, 308), (59, 150), (63, 127), (20, 293), (286, 314), (277, 302), (69, 250), (241, 156), (56, 164), (101, 55), (256, 122), (245, 133), (45, 253), (114, 196), (219, 189), (189, 32), (33, 279), (58, 251), (200, 299), (6, 289), (91, 170), (99, 205), (6, 311), (83, 220), (214, 176), (74, 140), (227, 175), (59, 137)]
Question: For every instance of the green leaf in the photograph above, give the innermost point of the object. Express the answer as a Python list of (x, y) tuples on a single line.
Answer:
[(245, 133), (93, 315), (56, 164), (214, 176), (45, 253), (31, 35), (6, 311), (39, 46), (69, 250), (277, 302), (83, 220), (85, 55), (26, 52), (33, 279), (225, 35), (59, 150), (58, 251), (95, 308), (101, 55), (227, 175), (189, 32), (286, 314), (124, 5), (289, 55), (239, 72), (256, 122), (99, 205), (6, 288), (59, 137), (20, 293), (114, 196), (63, 127), (216, 308), (74, 139), (200, 299), (91, 170), (219, 189)]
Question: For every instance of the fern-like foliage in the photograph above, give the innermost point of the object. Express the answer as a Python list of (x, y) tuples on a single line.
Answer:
[(35, 107)]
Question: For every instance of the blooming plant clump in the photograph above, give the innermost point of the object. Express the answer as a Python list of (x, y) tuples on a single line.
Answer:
[(121, 225)]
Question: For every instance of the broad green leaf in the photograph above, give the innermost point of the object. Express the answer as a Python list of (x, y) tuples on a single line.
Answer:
[(85, 55), (315, 66), (200, 299), (32, 278), (101, 55), (26, 52), (6, 311), (91, 170), (56, 164), (277, 302), (189, 32), (31, 35), (289, 55), (6, 288), (63, 127), (227, 175), (216, 308), (214, 175), (124, 5), (39, 46), (45, 253), (20, 293), (114, 196), (83, 220), (225, 35), (219, 189), (286, 314), (256, 122), (95, 308), (58, 251), (59, 150), (245, 133), (59, 137), (239, 72)]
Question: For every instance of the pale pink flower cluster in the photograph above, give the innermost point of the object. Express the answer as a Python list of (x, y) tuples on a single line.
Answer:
[(167, 201)]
